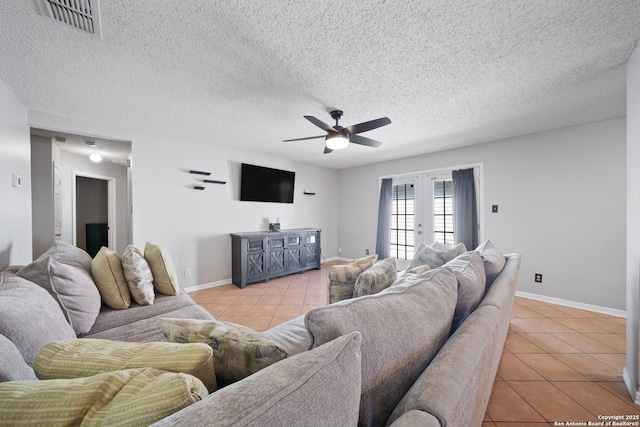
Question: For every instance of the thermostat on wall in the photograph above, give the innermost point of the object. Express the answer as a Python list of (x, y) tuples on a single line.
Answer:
[(17, 181)]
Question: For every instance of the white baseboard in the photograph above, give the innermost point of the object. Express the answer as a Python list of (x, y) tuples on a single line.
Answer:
[(207, 285), (631, 387), (573, 304)]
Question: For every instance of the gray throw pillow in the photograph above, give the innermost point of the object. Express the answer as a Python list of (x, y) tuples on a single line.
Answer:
[(494, 260), (320, 387), (402, 329), (436, 255), (30, 317), (13, 366), (73, 289), (469, 271), (376, 278), (69, 254)]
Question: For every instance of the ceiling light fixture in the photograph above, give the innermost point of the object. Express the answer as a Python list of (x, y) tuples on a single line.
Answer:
[(336, 141), (95, 157)]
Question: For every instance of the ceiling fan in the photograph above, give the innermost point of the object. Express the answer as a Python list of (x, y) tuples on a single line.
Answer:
[(339, 137)]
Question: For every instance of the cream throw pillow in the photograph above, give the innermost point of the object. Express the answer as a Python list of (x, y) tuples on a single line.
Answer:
[(165, 278), (106, 270), (138, 275), (85, 357), (238, 351), (120, 398)]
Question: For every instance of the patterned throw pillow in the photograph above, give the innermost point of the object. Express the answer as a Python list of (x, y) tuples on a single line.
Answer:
[(434, 257), (85, 357), (165, 278), (238, 351), (376, 278), (119, 398), (342, 278), (106, 269), (138, 275)]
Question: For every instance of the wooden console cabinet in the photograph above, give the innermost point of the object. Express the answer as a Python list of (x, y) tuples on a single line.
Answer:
[(263, 255)]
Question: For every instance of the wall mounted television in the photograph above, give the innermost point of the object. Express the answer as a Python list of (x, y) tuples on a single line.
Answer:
[(261, 184)]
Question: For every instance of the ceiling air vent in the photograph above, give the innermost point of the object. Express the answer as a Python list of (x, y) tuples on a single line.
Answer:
[(81, 14)]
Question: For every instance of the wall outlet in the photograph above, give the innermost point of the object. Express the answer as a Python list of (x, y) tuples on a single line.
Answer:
[(538, 278), (187, 272)]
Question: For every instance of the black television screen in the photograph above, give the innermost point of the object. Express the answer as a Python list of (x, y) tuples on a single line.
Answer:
[(260, 184)]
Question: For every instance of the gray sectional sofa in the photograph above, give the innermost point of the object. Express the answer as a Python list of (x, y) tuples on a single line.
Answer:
[(392, 358)]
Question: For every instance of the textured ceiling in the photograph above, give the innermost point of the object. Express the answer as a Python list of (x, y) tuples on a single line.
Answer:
[(241, 74)]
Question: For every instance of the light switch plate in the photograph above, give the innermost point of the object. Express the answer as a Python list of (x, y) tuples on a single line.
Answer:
[(16, 180)]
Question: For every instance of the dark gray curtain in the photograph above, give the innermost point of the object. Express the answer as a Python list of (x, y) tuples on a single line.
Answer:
[(383, 239), (465, 213)]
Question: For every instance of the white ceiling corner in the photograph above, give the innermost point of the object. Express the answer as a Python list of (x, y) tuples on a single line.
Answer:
[(241, 74)]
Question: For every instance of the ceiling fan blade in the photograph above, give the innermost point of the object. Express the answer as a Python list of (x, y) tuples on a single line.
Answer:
[(322, 125), (327, 150), (370, 125), (304, 139), (363, 140)]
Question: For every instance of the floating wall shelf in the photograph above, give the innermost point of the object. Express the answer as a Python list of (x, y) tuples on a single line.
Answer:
[(208, 181)]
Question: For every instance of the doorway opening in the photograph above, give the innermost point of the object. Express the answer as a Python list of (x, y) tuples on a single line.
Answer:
[(93, 212)]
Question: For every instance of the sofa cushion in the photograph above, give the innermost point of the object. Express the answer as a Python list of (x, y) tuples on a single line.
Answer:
[(402, 328), (342, 278), (138, 275), (165, 278), (291, 336), (436, 255), (494, 260), (13, 366), (456, 385), (106, 270), (86, 357), (238, 351), (320, 387), (69, 254), (126, 397), (139, 323), (376, 278), (72, 288), (29, 316), (410, 273), (469, 271)]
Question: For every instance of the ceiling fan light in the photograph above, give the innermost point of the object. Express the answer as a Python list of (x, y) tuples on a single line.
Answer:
[(337, 141)]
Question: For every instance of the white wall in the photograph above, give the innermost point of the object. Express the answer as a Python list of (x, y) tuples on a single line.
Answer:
[(193, 225), (561, 197), (15, 213), (632, 374)]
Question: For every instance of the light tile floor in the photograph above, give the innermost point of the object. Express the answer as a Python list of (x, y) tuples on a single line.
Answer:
[(559, 364)]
